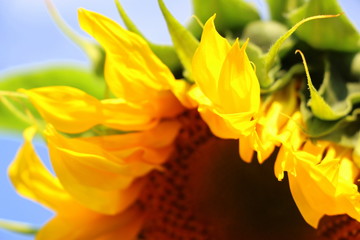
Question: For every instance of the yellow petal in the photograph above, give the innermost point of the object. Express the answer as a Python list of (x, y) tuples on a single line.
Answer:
[(228, 91), (95, 178), (92, 225), (132, 70), (140, 149), (320, 185), (161, 135), (68, 109), (106, 167), (310, 215), (208, 59), (32, 180), (125, 116), (73, 221), (181, 90), (274, 115), (238, 86)]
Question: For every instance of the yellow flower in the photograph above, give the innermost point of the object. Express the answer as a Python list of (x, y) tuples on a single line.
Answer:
[(167, 176), (321, 176), (72, 221), (227, 90)]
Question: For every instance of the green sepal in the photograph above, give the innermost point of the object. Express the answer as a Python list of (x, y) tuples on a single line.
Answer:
[(347, 134), (340, 93), (283, 77), (167, 54), (279, 9), (57, 75), (18, 227), (184, 42), (336, 97), (355, 65), (272, 61), (332, 34), (321, 129), (231, 15)]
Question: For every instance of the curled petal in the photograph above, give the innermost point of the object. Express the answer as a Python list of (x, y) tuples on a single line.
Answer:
[(101, 172), (228, 92), (32, 180), (209, 58), (132, 70), (321, 178)]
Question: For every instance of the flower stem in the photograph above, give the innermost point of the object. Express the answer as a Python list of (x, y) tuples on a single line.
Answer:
[(18, 227)]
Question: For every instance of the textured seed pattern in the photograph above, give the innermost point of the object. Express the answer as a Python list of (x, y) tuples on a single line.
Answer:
[(340, 227), (165, 199)]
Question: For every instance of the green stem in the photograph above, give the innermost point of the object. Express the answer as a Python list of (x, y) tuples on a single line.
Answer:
[(18, 227), (88, 47), (14, 110)]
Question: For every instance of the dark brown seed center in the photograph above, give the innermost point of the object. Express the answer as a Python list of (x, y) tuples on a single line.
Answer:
[(206, 192)]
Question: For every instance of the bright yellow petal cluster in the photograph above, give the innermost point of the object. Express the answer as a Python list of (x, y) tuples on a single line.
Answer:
[(72, 220), (274, 114), (132, 71), (227, 91), (321, 176), (100, 172), (99, 178)]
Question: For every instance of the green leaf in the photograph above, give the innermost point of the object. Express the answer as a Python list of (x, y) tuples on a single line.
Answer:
[(78, 77), (231, 15), (184, 42), (279, 9), (264, 33), (332, 34), (167, 54), (14, 119)]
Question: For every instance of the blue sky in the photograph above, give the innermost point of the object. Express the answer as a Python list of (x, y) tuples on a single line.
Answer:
[(29, 38)]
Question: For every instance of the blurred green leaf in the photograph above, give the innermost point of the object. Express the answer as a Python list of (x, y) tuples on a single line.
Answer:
[(264, 33), (231, 15), (78, 77), (279, 9), (331, 34), (184, 42), (49, 76)]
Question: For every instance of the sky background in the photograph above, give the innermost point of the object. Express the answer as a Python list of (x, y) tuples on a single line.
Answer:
[(29, 38)]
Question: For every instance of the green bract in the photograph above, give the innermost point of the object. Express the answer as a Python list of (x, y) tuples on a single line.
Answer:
[(331, 34)]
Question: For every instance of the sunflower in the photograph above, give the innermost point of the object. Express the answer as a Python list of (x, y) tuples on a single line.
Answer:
[(164, 158)]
